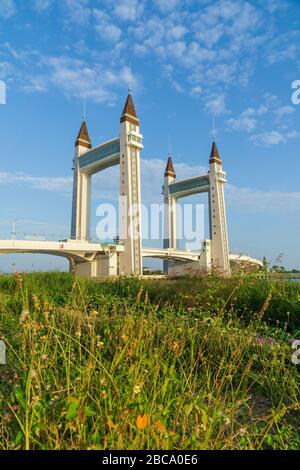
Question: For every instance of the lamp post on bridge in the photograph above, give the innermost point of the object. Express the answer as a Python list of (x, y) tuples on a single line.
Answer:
[(13, 233)]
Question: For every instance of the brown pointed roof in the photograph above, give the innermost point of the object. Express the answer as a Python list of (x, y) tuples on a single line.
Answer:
[(129, 112), (83, 137), (214, 155), (170, 168)]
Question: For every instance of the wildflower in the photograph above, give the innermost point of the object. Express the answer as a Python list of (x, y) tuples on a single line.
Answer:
[(94, 313), (36, 302), (104, 394), (19, 280), (142, 422), (176, 346), (137, 389), (110, 423), (160, 426), (190, 309), (100, 344), (24, 316)]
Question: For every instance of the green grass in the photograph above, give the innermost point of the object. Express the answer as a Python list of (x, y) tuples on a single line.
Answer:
[(135, 364)]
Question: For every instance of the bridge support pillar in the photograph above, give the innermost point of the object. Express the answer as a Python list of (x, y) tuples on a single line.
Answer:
[(170, 214), (102, 265)]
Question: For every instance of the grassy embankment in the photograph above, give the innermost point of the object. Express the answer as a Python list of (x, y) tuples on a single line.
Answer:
[(186, 364)]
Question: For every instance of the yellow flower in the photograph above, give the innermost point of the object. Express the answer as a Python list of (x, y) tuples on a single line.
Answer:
[(137, 389)]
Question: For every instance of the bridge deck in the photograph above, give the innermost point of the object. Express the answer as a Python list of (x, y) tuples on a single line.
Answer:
[(87, 251), (100, 157), (68, 249), (198, 184)]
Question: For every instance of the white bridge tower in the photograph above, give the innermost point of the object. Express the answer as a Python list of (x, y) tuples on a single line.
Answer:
[(80, 225), (131, 143), (214, 252), (217, 214)]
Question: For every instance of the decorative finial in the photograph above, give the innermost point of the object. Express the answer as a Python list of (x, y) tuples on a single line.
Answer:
[(170, 145), (84, 107), (129, 90), (214, 130)]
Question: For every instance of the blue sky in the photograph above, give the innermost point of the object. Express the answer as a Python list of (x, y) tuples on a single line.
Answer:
[(186, 61)]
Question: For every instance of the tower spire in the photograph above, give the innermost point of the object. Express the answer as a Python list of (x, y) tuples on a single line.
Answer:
[(170, 168), (83, 138), (129, 113), (214, 154)]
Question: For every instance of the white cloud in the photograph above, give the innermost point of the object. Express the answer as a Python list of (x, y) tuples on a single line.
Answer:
[(7, 8), (109, 32), (167, 5), (128, 10), (245, 122), (214, 45), (105, 28), (77, 11), (284, 47), (253, 118), (42, 5), (267, 139), (61, 184), (177, 32), (283, 111), (77, 78), (216, 105), (36, 84), (252, 200), (274, 5)]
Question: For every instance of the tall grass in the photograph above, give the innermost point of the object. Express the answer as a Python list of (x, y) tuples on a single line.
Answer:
[(145, 365)]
